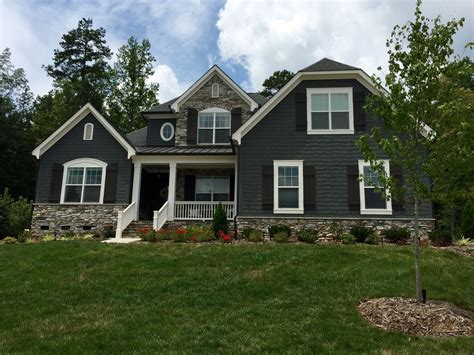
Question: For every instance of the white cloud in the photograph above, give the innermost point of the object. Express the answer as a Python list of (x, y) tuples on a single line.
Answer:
[(169, 86), (269, 35)]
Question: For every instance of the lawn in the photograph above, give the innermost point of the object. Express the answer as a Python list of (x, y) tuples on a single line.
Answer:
[(66, 297)]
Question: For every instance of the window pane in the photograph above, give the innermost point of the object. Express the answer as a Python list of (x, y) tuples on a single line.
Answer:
[(221, 185), (222, 135), (205, 136), (206, 120), (203, 185), (91, 194), (221, 197), (287, 198), (320, 102), (73, 194), (374, 199), (167, 131), (223, 120), (74, 175), (320, 120), (340, 120), (370, 175), (287, 176), (93, 176), (203, 197), (339, 102)]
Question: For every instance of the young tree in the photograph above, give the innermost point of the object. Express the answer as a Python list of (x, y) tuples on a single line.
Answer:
[(81, 63), (275, 82), (419, 55), (131, 93)]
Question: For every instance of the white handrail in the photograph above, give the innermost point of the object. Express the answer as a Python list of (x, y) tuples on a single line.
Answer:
[(201, 210), (160, 217), (124, 218)]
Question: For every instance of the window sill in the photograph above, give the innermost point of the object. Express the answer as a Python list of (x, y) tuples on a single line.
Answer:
[(288, 211), (377, 212), (80, 203), (330, 131)]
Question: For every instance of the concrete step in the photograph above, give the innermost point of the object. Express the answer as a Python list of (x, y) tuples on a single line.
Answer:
[(132, 230)]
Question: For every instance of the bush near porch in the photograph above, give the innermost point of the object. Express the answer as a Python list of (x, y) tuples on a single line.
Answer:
[(87, 297)]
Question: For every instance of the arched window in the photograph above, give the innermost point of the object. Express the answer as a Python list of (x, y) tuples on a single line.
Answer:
[(88, 131), (167, 131), (215, 91), (214, 126), (83, 181)]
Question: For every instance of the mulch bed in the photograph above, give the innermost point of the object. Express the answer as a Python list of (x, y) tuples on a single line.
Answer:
[(435, 318)]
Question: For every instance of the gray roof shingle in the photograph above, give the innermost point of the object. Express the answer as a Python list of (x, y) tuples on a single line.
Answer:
[(138, 137), (326, 64)]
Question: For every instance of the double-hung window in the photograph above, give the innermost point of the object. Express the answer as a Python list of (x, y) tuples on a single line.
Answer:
[(330, 111), (214, 126), (371, 200), (212, 188), (288, 186), (83, 181)]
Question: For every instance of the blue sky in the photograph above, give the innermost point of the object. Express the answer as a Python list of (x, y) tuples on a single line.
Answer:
[(249, 39)]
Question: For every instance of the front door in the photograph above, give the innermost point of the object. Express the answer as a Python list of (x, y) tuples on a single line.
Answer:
[(154, 192)]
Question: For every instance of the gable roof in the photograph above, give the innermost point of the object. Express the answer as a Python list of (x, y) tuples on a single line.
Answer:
[(203, 79), (323, 69), (138, 137), (73, 121)]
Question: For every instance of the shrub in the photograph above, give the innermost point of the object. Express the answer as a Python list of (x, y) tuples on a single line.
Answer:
[(372, 239), (274, 230), (467, 219), (15, 215), (9, 240), (107, 232), (463, 241), (219, 220), (149, 236), (347, 238), (307, 235), (440, 237), (255, 236), (336, 229), (397, 235), (48, 238), (224, 237), (200, 234), (246, 232), (179, 235), (24, 236), (281, 237), (361, 233)]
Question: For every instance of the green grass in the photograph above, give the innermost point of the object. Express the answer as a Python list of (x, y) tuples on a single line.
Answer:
[(66, 297)]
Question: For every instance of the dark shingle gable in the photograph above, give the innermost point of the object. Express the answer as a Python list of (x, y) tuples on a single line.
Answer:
[(326, 64)]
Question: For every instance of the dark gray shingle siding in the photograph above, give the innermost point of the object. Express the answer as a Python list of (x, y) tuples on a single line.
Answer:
[(275, 138), (71, 146)]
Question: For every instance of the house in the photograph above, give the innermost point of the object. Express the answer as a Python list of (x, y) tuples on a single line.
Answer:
[(291, 159)]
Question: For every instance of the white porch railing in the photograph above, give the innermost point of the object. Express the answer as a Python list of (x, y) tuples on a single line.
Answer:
[(200, 210), (160, 217), (124, 218)]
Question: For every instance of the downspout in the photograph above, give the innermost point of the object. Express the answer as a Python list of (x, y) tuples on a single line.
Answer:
[(235, 150)]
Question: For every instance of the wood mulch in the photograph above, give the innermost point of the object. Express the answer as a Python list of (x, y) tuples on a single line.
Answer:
[(435, 318)]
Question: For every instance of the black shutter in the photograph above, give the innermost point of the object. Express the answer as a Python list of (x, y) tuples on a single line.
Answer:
[(232, 188), (309, 187), (300, 111), (191, 133), (398, 201), (359, 113), (353, 195), (236, 118), (189, 187), (267, 187), (110, 192), (56, 183)]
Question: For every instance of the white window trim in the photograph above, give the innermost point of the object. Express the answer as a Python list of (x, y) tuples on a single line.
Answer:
[(212, 191), (214, 110), (85, 131), (162, 130), (343, 90), (216, 95), (376, 211), (300, 208), (84, 163)]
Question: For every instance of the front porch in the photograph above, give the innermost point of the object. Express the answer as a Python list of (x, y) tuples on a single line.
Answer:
[(186, 189)]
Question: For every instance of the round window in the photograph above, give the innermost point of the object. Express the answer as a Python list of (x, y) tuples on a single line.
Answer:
[(167, 131)]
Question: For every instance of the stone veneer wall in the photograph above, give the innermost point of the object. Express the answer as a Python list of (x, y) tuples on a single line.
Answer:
[(201, 100), (181, 173), (58, 217), (324, 225)]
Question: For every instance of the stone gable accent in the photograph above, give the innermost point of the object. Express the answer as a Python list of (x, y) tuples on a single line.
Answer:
[(202, 99)]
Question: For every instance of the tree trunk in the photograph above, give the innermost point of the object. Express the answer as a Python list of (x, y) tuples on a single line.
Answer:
[(416, 245)]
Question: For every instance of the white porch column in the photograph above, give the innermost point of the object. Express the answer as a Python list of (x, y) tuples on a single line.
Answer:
[(171, 191), (236, 172), (137, 181)]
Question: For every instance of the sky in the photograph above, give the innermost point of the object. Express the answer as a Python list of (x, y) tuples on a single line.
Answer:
[(248, 39)]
